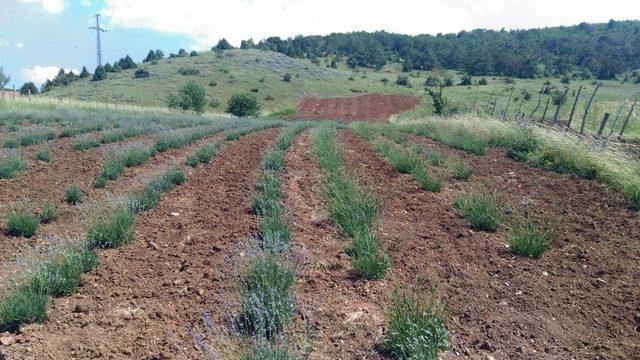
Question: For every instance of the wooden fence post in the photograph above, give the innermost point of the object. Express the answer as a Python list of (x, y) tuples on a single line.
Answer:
[(603, 123), (546, 107), (573, 109), (504, 114), (555, 116), (537, 105), (586, 110), (615, 122), (626, 120), (475, 98)]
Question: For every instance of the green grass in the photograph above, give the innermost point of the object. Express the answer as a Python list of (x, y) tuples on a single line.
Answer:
[(10, 164), (426, 180), (85, 144), (100, 182), (44, 155), (30, 139), (22, 307), (353, 209), (481, 208), (416, 326), (48, 212), (149, 196), (525, 239), (204, 154), (61, 277), (460, 169), (73, 194), (20, 222), (129, 156), (274, 160)]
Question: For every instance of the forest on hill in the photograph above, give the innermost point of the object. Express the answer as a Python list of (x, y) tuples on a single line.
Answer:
[(592, 50)]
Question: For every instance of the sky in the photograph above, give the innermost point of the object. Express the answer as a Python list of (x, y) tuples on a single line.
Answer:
[(38, 37)]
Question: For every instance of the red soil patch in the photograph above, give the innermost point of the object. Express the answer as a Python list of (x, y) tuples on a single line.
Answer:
[(369, 107)]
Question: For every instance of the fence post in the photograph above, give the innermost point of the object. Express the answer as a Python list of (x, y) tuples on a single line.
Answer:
[(504, 114), (586, 110), (555, 116), (626, 120), (475, 98), (546, 107), (615, 122), (603, 123), (573, 109)]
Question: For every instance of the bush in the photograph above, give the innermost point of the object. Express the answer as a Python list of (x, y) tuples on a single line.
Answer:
[(10, 165), (73, 194), (287, 77), (85, 144), (99, 74), (61, 277), (190, 97), (439, 101), (466, 80), (44, 155), (481, 208), (526, 240), (22, 306), (403, 80), (212, 83), (204, 154), (369, 261), (112, 228), (100, 183), (141, 74), (460, 169), (243, 104), (20, 222), (448, 81), (188, 71), (148, 198), (483, 81), (48, 212), (426, 181), (416, 326), (522, 145)]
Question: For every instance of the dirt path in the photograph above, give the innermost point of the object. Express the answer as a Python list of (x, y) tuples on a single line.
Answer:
[(345, 311), (569, 303), (140, 299)]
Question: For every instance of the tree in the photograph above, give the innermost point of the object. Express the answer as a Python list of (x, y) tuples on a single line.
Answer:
[(439, 101), (159, 54), (99, 74), (334, 64), (84, 73), (151, 56), (4, 78), (466, 80), (127, 63), (29, 88), (107, 68), (223, 44), (247, 44), (193, 53), (190, 97), (182, 52), (141, 74), (243, 104)]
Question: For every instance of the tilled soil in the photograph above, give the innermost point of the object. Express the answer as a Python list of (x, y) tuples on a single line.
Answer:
[(138, 302), (369, 107), (568, 304), (47, 182), (345, 311)]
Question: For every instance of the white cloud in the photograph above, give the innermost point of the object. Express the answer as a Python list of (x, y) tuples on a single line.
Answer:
[(19, 45), (40, 74), (50, 6), (85, 3), (3, 42), (207, 21)]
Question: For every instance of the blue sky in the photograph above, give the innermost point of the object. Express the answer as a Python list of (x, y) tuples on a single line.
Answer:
[(37, 37)]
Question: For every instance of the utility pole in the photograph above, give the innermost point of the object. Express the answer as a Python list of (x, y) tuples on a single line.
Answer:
[(98, 30)]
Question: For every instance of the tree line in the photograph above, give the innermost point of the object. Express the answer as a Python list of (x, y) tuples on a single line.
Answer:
[(594, 50)]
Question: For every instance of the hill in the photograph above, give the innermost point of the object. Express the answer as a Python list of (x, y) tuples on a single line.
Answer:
[(228, 72)]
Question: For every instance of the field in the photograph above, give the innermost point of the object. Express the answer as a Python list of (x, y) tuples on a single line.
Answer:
[(145, 233), (262, 72)]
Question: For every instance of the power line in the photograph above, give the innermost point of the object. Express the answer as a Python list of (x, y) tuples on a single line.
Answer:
[(98, 46)]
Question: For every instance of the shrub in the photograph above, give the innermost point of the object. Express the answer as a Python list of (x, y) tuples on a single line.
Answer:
[(483, 81), (212, 83), (426, 181), (112, 168), (190, 97), (11, 164), (188, 71), (522, 145), (416, 326), (243, 104), (526, 240), (99, 74), (73, 194), (48, 212), (20, 222), (403, 80), (448, 81), (85, 144), (481, 208), (274, 160), (148, 198), (22, 306), (100, 182), (61, 277), (369, 261), (286, 77), (466, 80), (267, 299), (266, 351), (460, 169), (141, 74), (112, 227), (439, 101), (404, 162), (204, 154), (193, 53), (44, 155)]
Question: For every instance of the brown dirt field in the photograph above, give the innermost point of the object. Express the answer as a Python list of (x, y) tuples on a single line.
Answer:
[(346, 311), (369, 107), (47, 182), (568, 304), (180, 260)]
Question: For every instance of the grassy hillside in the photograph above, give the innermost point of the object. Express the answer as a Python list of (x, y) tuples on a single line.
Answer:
[(233, 71)]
